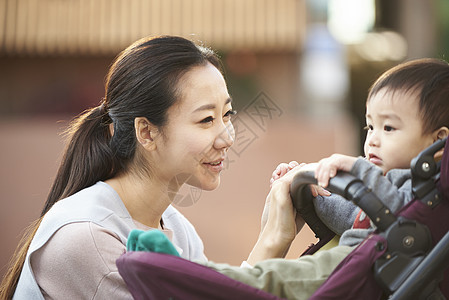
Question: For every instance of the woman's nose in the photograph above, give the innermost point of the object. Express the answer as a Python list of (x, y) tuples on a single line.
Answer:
[(226, 136)]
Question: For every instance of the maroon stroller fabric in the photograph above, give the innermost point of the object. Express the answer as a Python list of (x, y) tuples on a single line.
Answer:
[(151, 275)]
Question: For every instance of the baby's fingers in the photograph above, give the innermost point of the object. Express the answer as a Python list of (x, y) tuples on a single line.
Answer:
[(317, 190), (324, 172), (324, 176)]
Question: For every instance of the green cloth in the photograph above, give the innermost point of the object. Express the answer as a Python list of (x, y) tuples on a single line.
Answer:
[(150, 241)]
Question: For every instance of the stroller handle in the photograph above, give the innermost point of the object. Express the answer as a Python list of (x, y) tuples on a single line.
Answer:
[(346, 185), (340, 184)]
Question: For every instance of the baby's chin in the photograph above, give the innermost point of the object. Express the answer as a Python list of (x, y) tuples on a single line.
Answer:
[(386, 169)]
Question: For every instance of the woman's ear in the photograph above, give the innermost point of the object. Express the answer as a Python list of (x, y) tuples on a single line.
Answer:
[(146, 133)]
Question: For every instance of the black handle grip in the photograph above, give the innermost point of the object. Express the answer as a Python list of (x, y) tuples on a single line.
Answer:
[(346, 185)]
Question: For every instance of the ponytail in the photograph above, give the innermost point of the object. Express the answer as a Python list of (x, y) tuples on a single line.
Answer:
[(87, 159)]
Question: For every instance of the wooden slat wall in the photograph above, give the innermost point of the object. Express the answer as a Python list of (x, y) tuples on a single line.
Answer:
[(96, 27)]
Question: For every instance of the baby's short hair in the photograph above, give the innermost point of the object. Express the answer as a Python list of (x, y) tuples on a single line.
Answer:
[(429, 78)]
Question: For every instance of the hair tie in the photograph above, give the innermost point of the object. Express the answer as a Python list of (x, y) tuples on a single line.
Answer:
[(104, 113), (102, 108)]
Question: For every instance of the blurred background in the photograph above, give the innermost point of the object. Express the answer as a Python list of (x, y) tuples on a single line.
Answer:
[(298, 71)]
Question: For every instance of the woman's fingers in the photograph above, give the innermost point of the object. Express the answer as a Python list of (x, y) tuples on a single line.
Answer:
[(293, 164), (282, 169)]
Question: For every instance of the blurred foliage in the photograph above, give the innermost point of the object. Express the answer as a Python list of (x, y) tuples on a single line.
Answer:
[(242, 87), (442, 7)]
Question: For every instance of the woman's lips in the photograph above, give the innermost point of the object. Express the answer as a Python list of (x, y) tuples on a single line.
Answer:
[(216, 166)]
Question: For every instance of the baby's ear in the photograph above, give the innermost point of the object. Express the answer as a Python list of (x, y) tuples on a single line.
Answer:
[(441, 133)]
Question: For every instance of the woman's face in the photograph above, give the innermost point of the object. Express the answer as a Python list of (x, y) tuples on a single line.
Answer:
[(198, 133)]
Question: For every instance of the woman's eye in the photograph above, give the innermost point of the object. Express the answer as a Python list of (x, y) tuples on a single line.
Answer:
[(211, 119), (230, 113), (388, 128), (207, 120)]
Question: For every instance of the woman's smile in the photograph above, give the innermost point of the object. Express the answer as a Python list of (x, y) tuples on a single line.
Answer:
[(216, 166)]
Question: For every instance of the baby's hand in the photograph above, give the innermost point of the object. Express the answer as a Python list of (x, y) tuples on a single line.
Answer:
[(318, 190), (281, 170), (328, 167)]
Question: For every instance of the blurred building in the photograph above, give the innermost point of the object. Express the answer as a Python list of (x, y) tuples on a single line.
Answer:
[(85, 27), (84, 36)]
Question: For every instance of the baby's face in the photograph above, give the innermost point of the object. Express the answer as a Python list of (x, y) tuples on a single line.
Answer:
[(394, 130)]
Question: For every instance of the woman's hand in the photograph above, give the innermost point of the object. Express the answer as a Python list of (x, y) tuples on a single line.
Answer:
[(282, 169), (279, 172), (280, 223)]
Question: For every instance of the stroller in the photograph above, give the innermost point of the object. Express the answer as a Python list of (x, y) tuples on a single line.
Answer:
[(406, 258)]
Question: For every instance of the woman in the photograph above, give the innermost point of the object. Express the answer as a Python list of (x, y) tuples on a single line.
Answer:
[(165, 120)]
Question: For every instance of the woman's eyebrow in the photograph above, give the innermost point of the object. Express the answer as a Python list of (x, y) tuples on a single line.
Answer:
[(211, 106)]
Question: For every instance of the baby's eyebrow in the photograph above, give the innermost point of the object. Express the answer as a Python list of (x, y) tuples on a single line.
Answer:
[(390, 116), (385, 116)]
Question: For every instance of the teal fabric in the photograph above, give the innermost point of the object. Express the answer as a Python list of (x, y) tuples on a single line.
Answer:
[(150, 241)]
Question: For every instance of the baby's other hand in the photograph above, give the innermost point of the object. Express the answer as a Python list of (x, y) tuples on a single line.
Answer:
[(281, 170)]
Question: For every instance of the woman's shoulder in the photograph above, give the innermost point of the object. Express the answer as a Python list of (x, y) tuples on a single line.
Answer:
[(80, 241), (98, 203), (79, 254)]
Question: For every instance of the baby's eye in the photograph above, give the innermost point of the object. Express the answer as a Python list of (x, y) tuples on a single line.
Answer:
[(388, 128), (207, 120), (368, 127)]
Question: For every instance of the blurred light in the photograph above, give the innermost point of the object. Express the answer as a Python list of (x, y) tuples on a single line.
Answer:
[(350, 20), (324, 70), (381, 46)]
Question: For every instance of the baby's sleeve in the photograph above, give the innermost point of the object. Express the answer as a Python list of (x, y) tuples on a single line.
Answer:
[(336, 212)]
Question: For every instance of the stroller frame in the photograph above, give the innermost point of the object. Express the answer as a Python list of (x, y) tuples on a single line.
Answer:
[(410, 265), (409, 252)]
